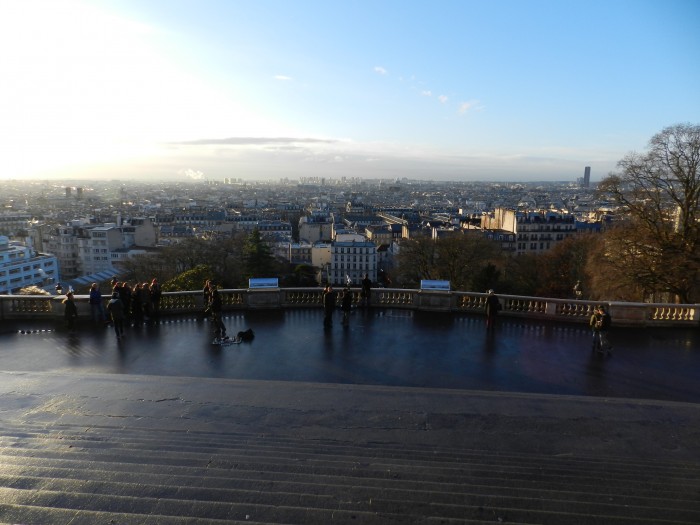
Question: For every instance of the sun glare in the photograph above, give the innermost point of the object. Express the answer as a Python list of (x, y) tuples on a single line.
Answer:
[(81, 86)]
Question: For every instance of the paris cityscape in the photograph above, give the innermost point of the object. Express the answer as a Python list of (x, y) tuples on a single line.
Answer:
[(80, 231)]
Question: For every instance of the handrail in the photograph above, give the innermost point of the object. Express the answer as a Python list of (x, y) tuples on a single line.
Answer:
[(24, 307)]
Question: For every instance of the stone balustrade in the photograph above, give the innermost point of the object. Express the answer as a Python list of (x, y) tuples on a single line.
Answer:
[(33, 307)]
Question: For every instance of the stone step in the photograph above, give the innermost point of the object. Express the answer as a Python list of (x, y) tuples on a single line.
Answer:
[(35, 515), (364, 487), (346, 480), (342, 457), (194, 445), (455, 504)]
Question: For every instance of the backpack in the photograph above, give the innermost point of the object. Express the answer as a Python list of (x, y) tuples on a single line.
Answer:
[(246, 335)]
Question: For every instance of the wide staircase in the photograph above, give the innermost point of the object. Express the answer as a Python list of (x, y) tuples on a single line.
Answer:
[(106, 452)]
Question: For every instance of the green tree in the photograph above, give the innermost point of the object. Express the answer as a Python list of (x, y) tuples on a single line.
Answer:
[(258, 260), (658, 193), (489, 277), (522, 274), (193, 279)]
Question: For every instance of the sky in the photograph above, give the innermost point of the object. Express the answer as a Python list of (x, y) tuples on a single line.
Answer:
[(491, 90)]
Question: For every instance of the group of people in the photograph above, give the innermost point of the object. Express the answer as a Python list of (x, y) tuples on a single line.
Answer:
[(330, 301), (127, 304), (142, 302)]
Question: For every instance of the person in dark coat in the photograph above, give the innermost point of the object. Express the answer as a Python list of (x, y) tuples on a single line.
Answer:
[(366, 292), (206, 300), (329, 302), (137, 304), (216, 307), (125, 296), (155, 295), (145, 295), (70, 313), (601, 326), (493, 305), (346, 305), (115, 307), (98, 312)]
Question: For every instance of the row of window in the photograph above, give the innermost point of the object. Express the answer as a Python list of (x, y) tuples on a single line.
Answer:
[(354, 266), (542, 237), (522, 246), (342, 258), (354, 250), (26, 278)]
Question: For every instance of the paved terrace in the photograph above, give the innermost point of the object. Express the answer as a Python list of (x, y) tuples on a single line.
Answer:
[(400, 417), (378, 347)]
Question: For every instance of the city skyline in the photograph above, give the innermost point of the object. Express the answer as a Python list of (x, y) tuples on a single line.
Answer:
[(265, 90)]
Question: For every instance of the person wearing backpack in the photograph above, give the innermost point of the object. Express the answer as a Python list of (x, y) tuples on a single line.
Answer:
[(604, 321)]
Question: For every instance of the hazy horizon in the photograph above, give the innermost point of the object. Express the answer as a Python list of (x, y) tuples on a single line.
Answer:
[(452, 91)]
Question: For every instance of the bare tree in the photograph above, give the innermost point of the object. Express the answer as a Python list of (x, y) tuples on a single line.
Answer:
[(462, 257), (457, 259), (561, 267), (416, 261), (659, 194)]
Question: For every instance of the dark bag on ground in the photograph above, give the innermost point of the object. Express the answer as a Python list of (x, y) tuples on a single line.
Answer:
[(246, 335)]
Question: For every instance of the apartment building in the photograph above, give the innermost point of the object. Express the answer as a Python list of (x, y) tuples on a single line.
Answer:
[(535, 231), (351, 257), (21, 266), (83, 248)]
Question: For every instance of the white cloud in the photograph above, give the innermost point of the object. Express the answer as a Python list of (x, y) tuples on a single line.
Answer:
[(427, 93), (443, 98), (282, 77), (380, 70), (191, 174), (464, 107)]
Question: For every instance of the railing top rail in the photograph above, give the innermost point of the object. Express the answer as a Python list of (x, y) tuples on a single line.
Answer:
[(402, 290)]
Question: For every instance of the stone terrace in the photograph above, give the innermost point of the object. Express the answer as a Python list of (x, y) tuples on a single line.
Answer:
[(400, 417)]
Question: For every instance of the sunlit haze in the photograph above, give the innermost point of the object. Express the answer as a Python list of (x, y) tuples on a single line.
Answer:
[(452, 90)]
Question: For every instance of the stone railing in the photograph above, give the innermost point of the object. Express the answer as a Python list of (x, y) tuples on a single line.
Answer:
[(33, 307)]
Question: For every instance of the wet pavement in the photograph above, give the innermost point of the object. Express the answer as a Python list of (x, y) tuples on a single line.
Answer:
[(378, 347)]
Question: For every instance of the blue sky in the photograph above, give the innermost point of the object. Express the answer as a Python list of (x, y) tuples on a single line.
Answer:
[(451, 90)]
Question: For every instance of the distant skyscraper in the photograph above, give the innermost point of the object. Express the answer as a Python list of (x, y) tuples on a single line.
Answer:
[(587, 177)]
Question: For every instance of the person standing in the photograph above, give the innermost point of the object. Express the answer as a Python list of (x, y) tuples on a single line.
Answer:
[(115, 307), (70, 312), (493, 305), (145, 296), (216, 306), (604, 322), (329, 299), (96, 307), (595, 323), (137, 305), (206, 300), (125, 296), (346, 305), (366, 293), (155, 293)]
